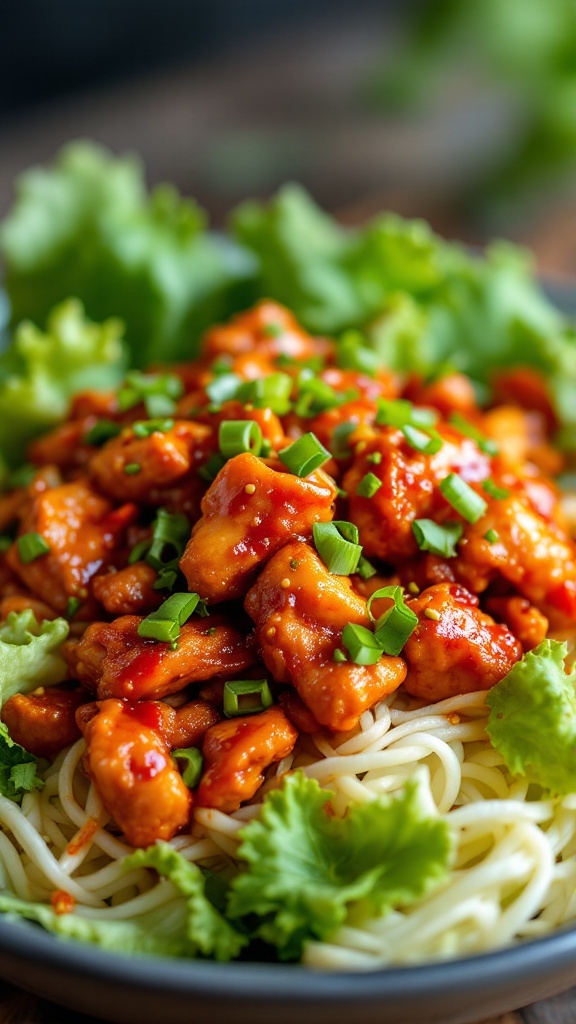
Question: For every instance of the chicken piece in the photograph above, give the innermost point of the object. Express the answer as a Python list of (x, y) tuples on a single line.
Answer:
[(129, 591), (113, 660), (19, 602), (162, 458), (82, 531), (295, 709), (236, 753), (44, 722), (410, 488), (450, 393), (455, 647), (269, 329), (129, 762), (522, 435), (534, 555), (187, 726), (64, 446), (362, 413), (249, 512), (526, 622), (300, 610)]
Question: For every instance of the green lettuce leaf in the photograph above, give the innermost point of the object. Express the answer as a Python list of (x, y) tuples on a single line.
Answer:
[(533, 718), (186, 925), (30, 653), (207, 931), (18, 768), (87, 227), (306, 868), (40, 372)]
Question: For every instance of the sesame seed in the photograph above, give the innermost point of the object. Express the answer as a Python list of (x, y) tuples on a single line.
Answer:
[(454, 719), (285, 583), (431, 613), (250, 488), (270, 632), (413, 588)]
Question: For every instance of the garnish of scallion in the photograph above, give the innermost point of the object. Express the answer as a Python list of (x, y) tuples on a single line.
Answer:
[(337, 544), (236, 437), (246, 697), (305, 455), (164, 624), (463, 498)]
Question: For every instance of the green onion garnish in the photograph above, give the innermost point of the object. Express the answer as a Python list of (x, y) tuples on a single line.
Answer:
[(428, 444), (223, 388), (361, 644), (340, 437), (484, 443), (339, 552), (315, 396), (354, 353), (365, 569), (144, 428), (209, 471), (170, 533), (399, 412), (494, 491), (158, 391), (72, 606), (272, 392), (30, 547), (339, 655), (193, 761), (396, 624), (305, 455), (463, 499), (375, 458), (164, 624), (238, 436), (272, 330), (101, 432), (132, 468), (246, 697), (368, 486), (491, 536), (439, 540)]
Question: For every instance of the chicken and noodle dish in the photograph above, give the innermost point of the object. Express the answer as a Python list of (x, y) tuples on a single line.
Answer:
[(286, 630)]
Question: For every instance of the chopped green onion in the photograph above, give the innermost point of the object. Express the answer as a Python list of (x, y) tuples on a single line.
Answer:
[(368, 486), (209, 471), (164, 624), (132, 468), (72, 606), (315, 396), (428, 444), (272, 330), (361, 644), (221, 365), (305, 455), (138, 551), (193, 760), (494, 491), (491, 536), (158, 391), (246, 697), (396, 624), (354, 353), (223, 388), (315, 363), (102, 431), (272, 392), (339, 553), (365, 569), (484, 443), (30, 547), (339, 655), (439, 540), (399, 412), (144, 428), (375, 458), (340, 437), (463, 498), (235, 437), (170, 530)]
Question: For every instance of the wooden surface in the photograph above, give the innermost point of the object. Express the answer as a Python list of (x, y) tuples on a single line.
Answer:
[(17, 1007)]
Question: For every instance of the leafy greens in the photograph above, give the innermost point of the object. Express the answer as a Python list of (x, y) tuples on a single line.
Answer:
[(18, 768), (30, 653)]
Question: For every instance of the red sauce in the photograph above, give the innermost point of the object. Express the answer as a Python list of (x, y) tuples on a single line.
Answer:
[(146, 713), (83, 838), (62, 902), (148, 767), (135, 677)]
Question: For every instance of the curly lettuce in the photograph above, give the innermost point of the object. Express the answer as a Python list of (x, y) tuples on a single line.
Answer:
[(41, 371), (86, 227), (305, 869), (30, 653), (18, 768), (533, 718)]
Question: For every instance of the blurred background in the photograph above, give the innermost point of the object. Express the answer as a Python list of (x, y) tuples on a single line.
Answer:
[(458, 111)]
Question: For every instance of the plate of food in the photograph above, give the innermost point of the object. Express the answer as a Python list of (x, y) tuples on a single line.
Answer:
[(287, 612)]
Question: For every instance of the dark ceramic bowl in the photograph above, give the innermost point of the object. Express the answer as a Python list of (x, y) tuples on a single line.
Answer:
[(136, 990)]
